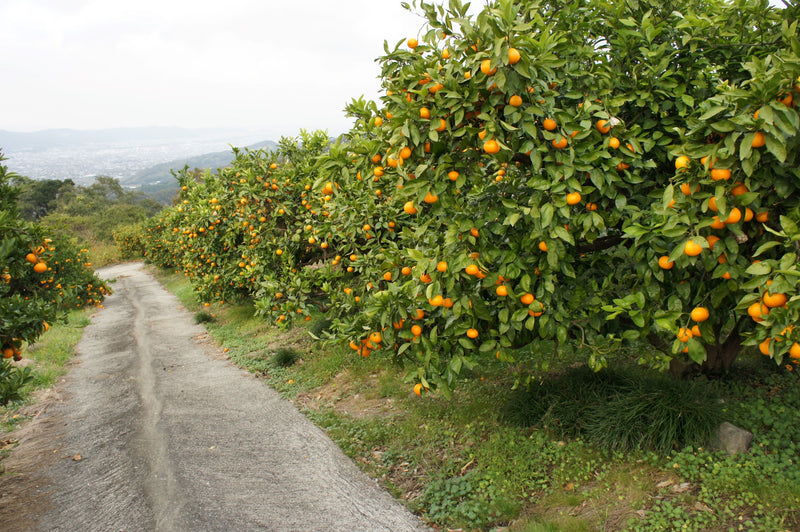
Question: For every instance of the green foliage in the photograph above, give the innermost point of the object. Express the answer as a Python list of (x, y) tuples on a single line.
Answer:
[(39, 276), (386, 220), (12, 381), (619, 410), (128, 240), (284, 357), (204, 317)]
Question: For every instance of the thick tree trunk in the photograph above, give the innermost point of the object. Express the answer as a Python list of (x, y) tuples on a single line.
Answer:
[(719, 358)]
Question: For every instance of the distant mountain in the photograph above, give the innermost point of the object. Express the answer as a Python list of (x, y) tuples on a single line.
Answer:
[(121, 153), (161, 173), (64, 138)]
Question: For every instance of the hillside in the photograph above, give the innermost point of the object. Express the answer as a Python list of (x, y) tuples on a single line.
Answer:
[(161, 173)]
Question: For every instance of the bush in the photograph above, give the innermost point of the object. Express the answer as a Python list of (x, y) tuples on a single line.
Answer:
[(12, 381), (284, 357), (619, 409)]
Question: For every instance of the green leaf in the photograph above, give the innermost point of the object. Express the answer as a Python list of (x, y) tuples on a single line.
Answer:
[(789, 227), (765, 247), (713, 111), (696, 351), (563, 234), (758, 268), (776, 147)]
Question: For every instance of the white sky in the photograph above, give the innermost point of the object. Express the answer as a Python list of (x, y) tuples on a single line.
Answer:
[(271, 65)]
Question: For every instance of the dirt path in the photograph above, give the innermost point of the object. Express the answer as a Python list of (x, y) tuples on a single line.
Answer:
[(151, 431)]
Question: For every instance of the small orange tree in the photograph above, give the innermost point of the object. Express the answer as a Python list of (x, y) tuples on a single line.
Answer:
[(39, 276)]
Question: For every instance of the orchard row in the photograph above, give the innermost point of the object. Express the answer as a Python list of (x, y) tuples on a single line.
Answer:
[(539, 178)]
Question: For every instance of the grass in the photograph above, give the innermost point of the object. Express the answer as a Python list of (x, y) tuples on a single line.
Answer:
[(463, 463), (48, 359)]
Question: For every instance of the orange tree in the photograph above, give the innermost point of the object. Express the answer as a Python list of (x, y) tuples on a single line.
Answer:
[(247, 230), (532, 157), (39, 276), (539, 177)]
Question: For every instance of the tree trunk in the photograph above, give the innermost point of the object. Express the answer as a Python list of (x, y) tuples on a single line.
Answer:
[(719, 358)]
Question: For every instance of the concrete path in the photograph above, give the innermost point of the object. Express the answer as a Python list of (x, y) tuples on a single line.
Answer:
[(152, 431)]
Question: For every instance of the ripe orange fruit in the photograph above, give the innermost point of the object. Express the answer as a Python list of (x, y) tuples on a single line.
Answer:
[(759, 140), (425, 113), (416, 330), (419, 315), (486, 67), (739, 189), (412, 43), (573, 198), (682, 162), (549, 124), (515, 101), (613, 143), (734, 216), (764, 346), (501, 290), (757, 310), (472, 269), (279, 252), (446, 53), (375, 338), (418, 389), (664, 263), (442, 125), (406, 270), (513, 56), (437, 300), (717, 223), (472, 333), (40, 267), (430, 198), (474, 232), (409, 208), (720, 174), (425, 278), (794, 351), (560, 143), (602, 126), (32, 258), (685, 334), (452, 175), (527, 299), (387, 276), (774, 300), (762, 217), (692, 248), (491, 146), (699, 314), (712, 239), (442, 266), (543, 246)]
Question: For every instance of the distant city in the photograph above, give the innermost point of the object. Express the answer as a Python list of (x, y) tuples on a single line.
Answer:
[(128, 154)]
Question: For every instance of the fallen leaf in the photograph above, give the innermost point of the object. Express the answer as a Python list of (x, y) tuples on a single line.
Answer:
[(77, 458)]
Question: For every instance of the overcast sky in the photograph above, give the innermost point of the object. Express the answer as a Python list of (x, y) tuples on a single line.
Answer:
[(271, 65)]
